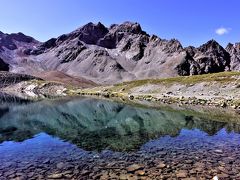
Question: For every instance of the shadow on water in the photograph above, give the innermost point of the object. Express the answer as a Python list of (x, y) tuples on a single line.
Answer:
[(94, 124)]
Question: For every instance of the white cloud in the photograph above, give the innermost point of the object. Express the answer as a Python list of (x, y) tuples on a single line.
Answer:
[(221, 31)]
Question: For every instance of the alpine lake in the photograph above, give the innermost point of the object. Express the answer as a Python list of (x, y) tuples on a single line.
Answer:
[(87, 138)]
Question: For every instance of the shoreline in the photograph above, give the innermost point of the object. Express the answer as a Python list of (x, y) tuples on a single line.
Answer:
[(218, 102), (219, 90)]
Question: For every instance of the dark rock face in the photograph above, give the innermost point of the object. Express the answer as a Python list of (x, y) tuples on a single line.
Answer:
[(118, 53), (3, 66), (91, 33), (41, 48), (208, 58), (212, 58), (9, 41), (7, 78), (15, 47), (234, 51)]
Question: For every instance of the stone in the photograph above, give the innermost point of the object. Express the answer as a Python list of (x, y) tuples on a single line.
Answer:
[(84, 172), (69, 176), (223, 105), (60, 165), (223, 176), (140, 172), (105, 176), (219, 151), (134, 167), (113, 175), (131, 97), (31, 174), (123, 89), (55, 176), (123, 176), (67, 172), (161, 165), (46, 161), (181, 174)]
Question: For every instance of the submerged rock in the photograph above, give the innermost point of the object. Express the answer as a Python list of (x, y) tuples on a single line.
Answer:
[(134, 167)]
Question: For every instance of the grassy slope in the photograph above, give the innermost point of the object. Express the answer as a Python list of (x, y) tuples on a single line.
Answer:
[(223, 78)]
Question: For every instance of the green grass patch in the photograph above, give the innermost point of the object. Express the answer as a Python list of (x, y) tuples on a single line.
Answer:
[(223, 77)]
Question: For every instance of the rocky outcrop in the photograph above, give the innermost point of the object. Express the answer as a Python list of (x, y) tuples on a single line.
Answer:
[(7, 78), (13, 41), (13, 48), (208, 58), (234, 51), (119, 53)]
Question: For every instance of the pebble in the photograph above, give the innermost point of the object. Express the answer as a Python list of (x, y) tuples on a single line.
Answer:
[(60, 165), (219, 151), (161, 165), (181, 174), (134, 167), (140, 172), (55, 176), (123, 176)]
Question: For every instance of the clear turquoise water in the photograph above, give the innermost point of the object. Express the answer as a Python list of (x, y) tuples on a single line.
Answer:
[(83, 131)]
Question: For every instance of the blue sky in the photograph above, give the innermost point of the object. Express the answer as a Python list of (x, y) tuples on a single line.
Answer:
[(193, 22)]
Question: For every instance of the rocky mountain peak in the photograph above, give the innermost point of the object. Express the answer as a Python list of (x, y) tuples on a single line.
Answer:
[(191, 50), (175, 45), (211, 45), (237, 46), (233, 47), (128, 27), (234, 51), (229, 45), (91, 33), (12, 41), (94, 34), (230, 48), (115, 54), (91, 27)]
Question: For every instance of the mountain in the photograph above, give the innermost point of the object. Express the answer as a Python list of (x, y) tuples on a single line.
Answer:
[(12, 46), (119, 53), (234, 51), (14, 57)]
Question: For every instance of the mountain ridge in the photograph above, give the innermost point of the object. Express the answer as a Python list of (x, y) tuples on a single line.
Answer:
[(109, 55)]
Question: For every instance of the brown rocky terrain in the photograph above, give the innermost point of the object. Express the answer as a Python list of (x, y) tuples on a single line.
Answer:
[(111, 55)]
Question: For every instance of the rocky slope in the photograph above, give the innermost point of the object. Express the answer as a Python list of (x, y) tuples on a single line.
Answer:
[(110, 55), (219, 90), (234, 51), (14, 57), (13, 46), (7, 79)]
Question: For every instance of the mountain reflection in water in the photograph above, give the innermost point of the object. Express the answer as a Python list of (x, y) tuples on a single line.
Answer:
[(94, 124)]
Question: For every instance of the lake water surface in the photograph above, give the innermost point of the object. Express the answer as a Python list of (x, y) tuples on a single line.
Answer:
[(84, 138)]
